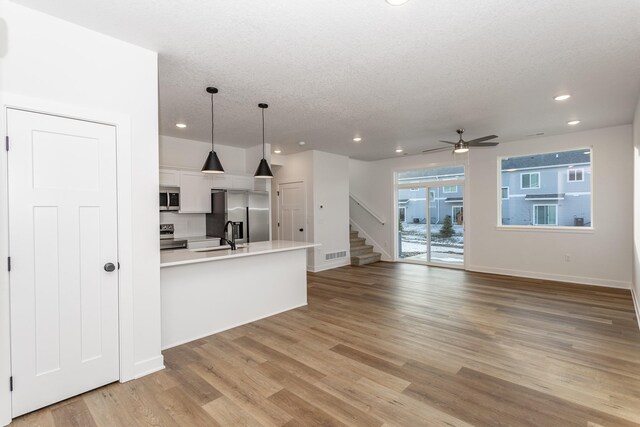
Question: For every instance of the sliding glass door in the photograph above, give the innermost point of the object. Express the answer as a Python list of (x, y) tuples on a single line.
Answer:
[(430, 216)]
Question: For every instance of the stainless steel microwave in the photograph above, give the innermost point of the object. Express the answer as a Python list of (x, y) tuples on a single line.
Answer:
[(169, 199)]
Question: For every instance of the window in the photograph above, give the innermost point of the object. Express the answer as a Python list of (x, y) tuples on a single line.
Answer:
[(457, 215), (548, 189), (545, 215), (530, 180), (575, 175), (450, 189), (445, 173)]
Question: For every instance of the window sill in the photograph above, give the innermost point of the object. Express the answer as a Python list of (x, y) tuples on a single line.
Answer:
[(542, 228)]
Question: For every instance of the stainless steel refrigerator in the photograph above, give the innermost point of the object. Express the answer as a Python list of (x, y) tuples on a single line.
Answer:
[(250, 209)]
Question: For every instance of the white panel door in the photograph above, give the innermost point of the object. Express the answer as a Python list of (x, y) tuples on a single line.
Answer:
[(292, 208), (63, 228)]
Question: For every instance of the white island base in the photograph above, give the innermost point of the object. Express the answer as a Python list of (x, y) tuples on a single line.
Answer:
[(208, 292)]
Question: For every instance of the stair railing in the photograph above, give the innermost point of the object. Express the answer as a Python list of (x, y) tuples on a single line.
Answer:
[(366, 208)]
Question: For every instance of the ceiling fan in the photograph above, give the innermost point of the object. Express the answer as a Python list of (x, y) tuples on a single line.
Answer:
[(463, 146)]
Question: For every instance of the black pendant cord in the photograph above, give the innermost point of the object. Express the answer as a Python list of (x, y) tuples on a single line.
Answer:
[(262, 133), (212, 123)]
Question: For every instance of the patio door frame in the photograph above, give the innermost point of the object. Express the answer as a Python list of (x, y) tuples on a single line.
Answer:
[(428, 186)]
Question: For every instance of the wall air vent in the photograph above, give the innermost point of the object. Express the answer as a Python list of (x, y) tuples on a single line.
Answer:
[(334, 255)]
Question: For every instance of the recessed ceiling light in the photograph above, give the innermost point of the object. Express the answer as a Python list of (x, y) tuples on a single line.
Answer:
[(357, 139), (397, 2), (181, 125), (573, 122), (399, 150), (562, 97), (301, 143), (277, 151)]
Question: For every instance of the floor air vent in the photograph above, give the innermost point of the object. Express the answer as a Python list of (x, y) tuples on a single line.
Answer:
[(334, 255)]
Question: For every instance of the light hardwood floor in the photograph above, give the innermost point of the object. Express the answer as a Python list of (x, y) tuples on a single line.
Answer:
[(397, 344)]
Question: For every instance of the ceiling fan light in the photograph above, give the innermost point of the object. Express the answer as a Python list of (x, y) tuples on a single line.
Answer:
[(460, 148)]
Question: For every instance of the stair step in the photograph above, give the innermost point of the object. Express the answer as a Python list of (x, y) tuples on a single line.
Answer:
[(357, 241), (361, 250), (353, 234), (365, 258)]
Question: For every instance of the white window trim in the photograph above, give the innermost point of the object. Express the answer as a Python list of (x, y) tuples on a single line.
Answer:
[(534, 216), (575, 170), (444, 189), (505, 198), (529, 173)]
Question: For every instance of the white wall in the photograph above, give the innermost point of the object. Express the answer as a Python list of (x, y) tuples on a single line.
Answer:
[(602, 257), (327, 196), (636, 211), (72, 71), (330, 209)]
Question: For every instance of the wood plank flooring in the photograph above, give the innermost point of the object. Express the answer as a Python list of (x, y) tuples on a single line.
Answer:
[(396, 344)]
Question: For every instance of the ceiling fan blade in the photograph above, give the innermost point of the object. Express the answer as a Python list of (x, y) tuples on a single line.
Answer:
[(483, 144), (484, 138), (432, 150), (449, 142)]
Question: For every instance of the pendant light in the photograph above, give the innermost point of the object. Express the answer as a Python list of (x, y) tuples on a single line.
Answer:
[(263, 170), (212, 164)]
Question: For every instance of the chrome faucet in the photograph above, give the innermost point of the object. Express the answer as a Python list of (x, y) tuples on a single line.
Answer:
[(232, 242)]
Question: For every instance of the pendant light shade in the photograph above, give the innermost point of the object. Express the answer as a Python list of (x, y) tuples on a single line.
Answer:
[(212, 164), (263, 171)]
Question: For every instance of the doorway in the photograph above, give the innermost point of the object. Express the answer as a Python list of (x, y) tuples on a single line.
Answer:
[(292, 212), (64, 260), (431, 229)]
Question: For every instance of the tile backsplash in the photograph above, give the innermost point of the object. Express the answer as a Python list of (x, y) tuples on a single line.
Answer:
[(186, 225)]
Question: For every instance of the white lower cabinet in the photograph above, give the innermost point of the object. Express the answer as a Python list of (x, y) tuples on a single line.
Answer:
[(195, 192)]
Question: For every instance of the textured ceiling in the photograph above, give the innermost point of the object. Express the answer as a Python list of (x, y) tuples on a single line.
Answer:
[(396, 76)]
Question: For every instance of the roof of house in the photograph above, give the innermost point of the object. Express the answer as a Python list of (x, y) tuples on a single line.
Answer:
[(550, 159)]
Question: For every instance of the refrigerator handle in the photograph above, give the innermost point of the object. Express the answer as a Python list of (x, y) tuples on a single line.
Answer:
[(248, 227)]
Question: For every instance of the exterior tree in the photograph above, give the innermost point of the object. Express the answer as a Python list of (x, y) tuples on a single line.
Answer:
[(447, 227)]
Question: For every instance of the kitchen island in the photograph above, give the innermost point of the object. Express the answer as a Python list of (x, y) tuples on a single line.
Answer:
[(208, 291)]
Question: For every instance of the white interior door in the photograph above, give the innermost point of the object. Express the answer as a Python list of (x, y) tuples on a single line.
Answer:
[(292, 211), (62, 234)]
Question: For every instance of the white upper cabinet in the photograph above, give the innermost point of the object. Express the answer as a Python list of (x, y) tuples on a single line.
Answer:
[(243, 182), (169, 178), (222, 181), (195, 192), (233, 182)]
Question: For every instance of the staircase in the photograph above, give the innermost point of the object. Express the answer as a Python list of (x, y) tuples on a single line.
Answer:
[(361, 253)]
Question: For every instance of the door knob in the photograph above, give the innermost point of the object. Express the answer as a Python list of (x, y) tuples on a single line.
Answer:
[(109, 267), (302, 229)]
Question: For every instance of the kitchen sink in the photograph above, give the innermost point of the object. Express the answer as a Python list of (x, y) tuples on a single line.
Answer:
[(217, 248)]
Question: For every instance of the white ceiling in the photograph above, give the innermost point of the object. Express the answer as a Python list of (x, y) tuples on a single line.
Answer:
[(397, 76)]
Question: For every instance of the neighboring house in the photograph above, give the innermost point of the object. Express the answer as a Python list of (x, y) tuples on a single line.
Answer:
[(443, 201), (547, 189)]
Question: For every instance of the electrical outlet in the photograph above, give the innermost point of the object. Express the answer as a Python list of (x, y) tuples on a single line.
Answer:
[(567, 257)]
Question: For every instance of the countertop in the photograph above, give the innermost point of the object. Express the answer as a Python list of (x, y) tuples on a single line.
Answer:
[(171, 258)]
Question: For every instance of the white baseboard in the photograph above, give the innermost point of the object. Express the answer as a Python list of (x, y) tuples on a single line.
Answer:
[(149, 366), (555, 277), (636, 304), (371, 241), (330, 265)]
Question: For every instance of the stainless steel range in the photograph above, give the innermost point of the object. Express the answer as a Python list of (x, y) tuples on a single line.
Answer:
[(166, 238)]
